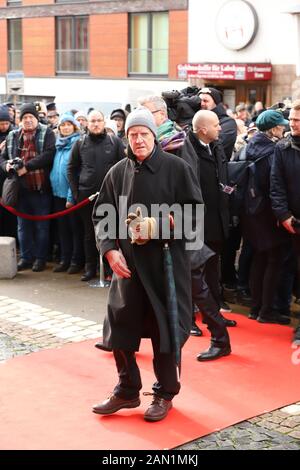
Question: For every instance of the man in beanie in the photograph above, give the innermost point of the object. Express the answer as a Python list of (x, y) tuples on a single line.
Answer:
[(137, 299), (119, 115), (285, 188), (211, 99), (34, 144)]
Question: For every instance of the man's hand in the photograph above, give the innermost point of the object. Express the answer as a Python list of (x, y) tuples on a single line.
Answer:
[(22, 171), (118, 264), (141, 229), (2, 145), (8, 167), (288, 225), (69, 204)]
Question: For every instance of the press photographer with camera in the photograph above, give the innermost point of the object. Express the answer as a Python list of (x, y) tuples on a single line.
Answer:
[(285, 188), (34, 144)]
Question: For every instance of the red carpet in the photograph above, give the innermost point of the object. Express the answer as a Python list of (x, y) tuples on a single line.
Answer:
[(46, 397)]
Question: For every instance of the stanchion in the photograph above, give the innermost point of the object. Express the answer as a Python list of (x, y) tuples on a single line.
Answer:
[(101, 282)]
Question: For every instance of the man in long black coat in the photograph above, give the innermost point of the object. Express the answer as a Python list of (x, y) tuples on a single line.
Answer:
[(137, 297)]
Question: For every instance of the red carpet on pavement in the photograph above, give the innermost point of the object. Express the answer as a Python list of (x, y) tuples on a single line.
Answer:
[(46, 397)]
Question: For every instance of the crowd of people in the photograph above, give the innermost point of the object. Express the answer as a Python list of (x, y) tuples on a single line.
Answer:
[(254, 251)]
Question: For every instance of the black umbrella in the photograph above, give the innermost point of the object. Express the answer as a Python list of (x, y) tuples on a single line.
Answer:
[(172, 307)]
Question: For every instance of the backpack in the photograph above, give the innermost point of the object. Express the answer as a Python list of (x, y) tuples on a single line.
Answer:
[(246, 195)]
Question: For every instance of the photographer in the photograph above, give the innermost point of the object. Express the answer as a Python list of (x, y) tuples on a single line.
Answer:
[(182, 106), (34, 143)]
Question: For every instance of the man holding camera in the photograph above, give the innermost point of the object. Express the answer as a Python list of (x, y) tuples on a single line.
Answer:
[(285, 188), (34, 144)]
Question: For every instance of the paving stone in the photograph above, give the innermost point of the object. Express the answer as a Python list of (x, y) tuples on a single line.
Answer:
[(86, 323), (292, 422), (283, 429), (295, 434)]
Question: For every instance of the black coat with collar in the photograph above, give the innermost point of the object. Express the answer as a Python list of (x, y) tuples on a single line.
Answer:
[(211, 170), (163, 179)]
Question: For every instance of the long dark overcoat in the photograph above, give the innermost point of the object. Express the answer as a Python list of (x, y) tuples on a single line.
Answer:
[(162, 179)]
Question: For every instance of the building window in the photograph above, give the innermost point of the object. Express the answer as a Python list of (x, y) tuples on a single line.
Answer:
[(15, 47), (149, 43), (12, 3), (72, 53)]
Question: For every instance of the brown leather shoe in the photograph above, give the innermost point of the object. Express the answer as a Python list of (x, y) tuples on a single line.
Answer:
[(113, 404), (158, 409)]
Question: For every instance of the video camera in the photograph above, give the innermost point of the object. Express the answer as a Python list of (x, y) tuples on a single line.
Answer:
[(16, 163), (182, 105)]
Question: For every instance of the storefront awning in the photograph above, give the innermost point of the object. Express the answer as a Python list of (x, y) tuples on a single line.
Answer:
[(209, 71)]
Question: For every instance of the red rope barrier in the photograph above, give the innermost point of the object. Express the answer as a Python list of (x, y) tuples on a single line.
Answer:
[(49, 216)]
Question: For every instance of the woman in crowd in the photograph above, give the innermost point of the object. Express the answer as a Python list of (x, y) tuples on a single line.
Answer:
[(69, 226)]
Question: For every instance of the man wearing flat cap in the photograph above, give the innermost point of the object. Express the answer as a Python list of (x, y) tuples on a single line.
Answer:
[(137, 298), (52, 116)]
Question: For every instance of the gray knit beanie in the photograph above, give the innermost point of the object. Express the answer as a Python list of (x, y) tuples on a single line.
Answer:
[(141, 117)]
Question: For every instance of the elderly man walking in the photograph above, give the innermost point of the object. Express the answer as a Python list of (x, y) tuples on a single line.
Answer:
[(137, 299)]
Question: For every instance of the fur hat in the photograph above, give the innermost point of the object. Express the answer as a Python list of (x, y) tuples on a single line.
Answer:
[(141, 117), (29, 108)]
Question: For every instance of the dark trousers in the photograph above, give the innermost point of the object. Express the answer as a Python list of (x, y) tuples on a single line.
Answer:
[(284, 291), (165, 369), (212, 271), (228, 256), (264, 275), (34, 235), (244, 267), (70, 235), (90, 249), (209, 308)]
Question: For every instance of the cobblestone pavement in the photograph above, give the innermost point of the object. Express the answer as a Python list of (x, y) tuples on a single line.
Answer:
[(27, 327)]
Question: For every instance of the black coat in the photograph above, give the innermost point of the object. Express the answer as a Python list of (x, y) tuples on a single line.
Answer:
[(91, 158), (261, 229), (211, 170), (163, 179), (285, 180), (228, 133)]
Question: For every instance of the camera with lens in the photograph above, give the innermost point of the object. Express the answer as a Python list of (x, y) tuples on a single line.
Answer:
[(182, 105), (17, 163)]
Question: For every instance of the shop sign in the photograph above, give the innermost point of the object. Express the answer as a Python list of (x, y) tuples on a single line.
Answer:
[(225, 71)]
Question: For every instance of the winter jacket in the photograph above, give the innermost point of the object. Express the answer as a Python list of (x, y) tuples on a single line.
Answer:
[(261, 229), (162, 179), (91, 158), (285, 180), (211, 171), (58, 176)]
